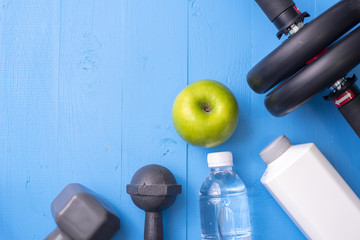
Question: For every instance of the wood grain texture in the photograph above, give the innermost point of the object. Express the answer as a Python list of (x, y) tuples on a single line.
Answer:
[(29, 47), (86, 92)]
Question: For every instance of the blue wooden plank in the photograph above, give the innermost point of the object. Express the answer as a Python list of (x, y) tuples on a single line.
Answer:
[(220, 35), (90, 96), (154, 67), (28, 104)]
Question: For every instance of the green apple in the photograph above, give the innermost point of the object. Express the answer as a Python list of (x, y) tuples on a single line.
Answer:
[(205, 113)]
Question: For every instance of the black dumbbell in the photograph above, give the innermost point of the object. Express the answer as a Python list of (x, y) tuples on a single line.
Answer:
[(82, 215), (311, 59), (153, 188)]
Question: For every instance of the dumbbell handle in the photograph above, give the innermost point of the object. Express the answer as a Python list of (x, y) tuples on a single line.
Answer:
[(153, 226), (273, 9), (351, 112), (57, 234)]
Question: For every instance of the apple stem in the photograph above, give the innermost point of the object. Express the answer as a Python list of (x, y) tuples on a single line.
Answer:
[(207, 108)]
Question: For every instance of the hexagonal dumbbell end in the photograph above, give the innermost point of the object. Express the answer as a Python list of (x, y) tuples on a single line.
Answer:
[(82, 215)]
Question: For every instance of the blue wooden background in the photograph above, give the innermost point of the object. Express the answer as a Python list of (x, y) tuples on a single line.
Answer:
[(86, 91)]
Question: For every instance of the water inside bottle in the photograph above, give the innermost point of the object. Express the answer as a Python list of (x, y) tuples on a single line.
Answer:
[(224, 207)]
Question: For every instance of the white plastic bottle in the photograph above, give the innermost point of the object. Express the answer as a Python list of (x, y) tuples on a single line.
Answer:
[(311, 191)]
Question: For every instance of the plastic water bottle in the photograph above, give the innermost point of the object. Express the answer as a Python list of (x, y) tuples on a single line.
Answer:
[(224, 209)]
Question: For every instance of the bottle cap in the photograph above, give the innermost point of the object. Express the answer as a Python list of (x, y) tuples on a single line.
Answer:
[(275, 149), (219, 159)]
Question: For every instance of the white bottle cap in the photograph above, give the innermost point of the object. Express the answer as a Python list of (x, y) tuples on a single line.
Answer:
[(275, 149), (219, 159)]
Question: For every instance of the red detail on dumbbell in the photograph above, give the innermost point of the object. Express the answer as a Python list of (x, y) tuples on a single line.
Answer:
[(296, 9), (317, 56), (344, 98)]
